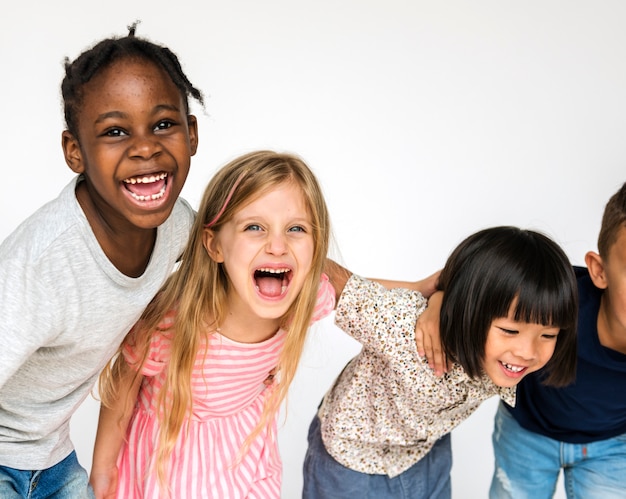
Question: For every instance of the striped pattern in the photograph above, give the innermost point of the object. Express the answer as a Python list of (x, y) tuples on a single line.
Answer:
[(228, 399)]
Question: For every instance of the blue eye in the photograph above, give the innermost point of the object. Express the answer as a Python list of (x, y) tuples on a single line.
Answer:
[(297, 228), (253, 227)]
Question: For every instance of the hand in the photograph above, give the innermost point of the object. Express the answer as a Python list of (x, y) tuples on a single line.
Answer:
[(104, 482), (427, 336), (270, 378), (427, 286), (337, 275)]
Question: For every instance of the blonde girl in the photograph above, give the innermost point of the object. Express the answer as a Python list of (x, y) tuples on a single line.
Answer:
[(186, 412)]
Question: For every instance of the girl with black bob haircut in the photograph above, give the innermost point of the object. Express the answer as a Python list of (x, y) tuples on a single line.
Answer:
[(495, 269), (509, 309)]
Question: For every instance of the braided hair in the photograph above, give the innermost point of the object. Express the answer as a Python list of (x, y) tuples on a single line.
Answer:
[(89, 63)]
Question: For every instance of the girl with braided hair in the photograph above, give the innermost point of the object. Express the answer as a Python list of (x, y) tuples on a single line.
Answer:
[(76, 275)]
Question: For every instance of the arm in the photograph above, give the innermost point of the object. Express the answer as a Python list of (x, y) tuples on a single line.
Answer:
[(427, 327), (111, 432), (425, 286), (339, 275)]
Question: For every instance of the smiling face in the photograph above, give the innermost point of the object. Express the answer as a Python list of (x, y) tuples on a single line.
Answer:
[(266, 250), (134, 145), (515, 349)]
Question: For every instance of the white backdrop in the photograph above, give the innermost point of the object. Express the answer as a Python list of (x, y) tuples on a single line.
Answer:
[(424, 120)]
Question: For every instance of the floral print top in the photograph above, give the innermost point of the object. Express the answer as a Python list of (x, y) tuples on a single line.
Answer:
[(387, 408)]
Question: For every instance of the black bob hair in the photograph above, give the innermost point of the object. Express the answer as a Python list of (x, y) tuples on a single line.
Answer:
[(490, 270)]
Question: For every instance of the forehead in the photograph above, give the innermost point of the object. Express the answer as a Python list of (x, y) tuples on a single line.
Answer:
[(287, 195), (128, 80)]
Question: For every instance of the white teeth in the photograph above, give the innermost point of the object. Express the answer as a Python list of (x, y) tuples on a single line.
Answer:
[(273, 271), (512, 368), (151, 197), (282, 289), (148, 179)]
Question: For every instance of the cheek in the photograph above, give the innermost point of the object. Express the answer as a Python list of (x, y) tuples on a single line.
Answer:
[(618, 300), (304, 252), (546, 351), (492, 345)]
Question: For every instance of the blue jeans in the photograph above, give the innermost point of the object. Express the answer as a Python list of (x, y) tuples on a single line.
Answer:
[(325, 478), (65, 480), (528, 464)]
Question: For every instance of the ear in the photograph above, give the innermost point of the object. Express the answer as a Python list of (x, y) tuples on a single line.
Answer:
[(596, 269), (212, 246), (192, 123), (72, 152)]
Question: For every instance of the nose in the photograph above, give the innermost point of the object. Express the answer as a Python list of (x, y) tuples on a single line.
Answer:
[(525, 348), (144, 146), (276, 243)]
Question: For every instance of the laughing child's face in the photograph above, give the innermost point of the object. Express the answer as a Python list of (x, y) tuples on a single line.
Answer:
[(134, 145), (515, 349), (267, 252)]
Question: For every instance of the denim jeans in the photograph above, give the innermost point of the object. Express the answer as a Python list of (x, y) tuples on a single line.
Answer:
[(325, 478), (528, 464), (65, 480)]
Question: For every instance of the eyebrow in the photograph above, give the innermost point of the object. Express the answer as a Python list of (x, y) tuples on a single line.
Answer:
[(110, 114), (121, 114)]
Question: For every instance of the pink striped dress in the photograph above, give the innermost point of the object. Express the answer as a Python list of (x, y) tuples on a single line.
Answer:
[(228, 396)]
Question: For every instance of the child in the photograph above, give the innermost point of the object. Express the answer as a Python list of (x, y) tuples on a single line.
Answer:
[(77, 274), (204, 424), (581, 427), (382, 430)]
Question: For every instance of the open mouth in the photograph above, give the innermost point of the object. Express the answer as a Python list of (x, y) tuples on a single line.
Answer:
[(148, 187), (513, 369), (272, 283)]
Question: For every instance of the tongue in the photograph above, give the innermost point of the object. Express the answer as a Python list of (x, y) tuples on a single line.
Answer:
[(269, 286), (146, 189)]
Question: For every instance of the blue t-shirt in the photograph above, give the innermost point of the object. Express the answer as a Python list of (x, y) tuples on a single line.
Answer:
[(594, 406)]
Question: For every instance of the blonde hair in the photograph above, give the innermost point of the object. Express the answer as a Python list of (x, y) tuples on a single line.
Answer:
[(198, 290)]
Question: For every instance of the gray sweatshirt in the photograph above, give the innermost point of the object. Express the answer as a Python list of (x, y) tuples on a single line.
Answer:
[(64, 309)]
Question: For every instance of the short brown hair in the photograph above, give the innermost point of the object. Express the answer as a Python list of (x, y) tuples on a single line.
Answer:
[(613, 220)]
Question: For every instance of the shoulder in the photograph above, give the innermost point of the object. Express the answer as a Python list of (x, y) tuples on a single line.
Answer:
[(182, 209), (175, 230), (50, 224)]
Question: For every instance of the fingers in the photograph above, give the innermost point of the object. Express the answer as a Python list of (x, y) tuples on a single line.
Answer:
[(428, 286), (430, 349), (270, 378), (427, 338)]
